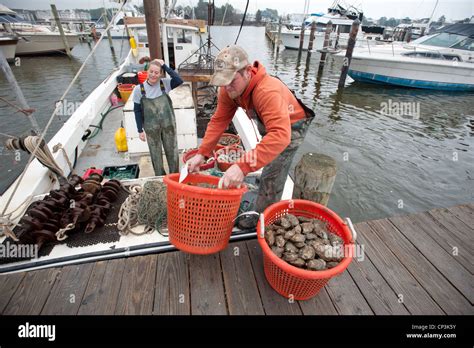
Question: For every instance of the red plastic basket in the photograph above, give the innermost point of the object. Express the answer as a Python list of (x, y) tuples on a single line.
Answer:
[(235, 136), (142, 76), (200, 220), (288, 280), (191, 153)]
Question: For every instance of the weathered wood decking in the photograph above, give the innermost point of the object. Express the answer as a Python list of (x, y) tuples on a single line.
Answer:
[(414, 264)]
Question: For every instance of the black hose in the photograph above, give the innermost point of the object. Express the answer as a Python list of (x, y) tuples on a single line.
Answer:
[(242, 24)]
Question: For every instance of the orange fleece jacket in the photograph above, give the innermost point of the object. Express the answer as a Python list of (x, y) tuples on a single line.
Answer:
[(277, 108)]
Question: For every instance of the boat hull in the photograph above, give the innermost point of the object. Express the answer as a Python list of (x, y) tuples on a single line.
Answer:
[(291, 40), (8, 47), (36, 44), (426, 75)]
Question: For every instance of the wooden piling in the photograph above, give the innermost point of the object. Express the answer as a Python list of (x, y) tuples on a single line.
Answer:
[(349, 50), (84, 31), (315, 174), (61, 30), (327, 35), (279, 33), (109, 36), (311, 36), (13, 84), (153, 18), (301, 39)]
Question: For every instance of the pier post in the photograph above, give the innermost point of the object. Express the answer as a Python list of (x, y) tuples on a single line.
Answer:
[(311, 37), (315, 174), (153, 19), (109, 36), (327, 35), (349, 50), (301, 40), (279, 33), (61, 30)]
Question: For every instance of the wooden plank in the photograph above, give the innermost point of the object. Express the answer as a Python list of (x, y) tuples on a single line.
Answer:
[(172, 284), (407, 288), (375, 289), (346, 296), (439, 288), (321, 304), (273, 303), (100, 297), (207, 288), (33, 292), (448, 241), (137, 288), (454, 226), (239, 281), (465, 213), (68, 290), (8, 286)]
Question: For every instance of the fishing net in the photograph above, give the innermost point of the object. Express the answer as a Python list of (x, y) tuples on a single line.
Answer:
[(152, 206)]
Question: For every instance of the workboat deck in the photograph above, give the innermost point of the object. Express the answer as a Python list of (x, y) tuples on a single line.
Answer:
[(414, 264)]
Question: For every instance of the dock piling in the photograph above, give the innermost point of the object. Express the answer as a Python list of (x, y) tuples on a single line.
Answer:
[(327, 35), (349, 50), (60, 28), (315, 174), (311, 37), (109, 36)]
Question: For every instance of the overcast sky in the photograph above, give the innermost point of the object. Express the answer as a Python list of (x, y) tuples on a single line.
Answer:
[(452, 9)]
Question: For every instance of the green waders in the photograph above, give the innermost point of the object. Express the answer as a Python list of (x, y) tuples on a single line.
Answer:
[(160, 128)]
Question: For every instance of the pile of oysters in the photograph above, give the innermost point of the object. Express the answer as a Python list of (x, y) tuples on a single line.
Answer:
[(305, 243)]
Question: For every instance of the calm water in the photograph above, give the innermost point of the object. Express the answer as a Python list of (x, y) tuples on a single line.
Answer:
[(387, 165)]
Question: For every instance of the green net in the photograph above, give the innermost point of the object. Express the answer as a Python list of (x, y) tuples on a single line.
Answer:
[(152, 205)]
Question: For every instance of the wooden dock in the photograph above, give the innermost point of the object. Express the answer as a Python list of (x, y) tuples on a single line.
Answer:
[(414, 264)]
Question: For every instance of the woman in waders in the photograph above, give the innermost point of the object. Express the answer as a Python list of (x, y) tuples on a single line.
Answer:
[(155, 116)]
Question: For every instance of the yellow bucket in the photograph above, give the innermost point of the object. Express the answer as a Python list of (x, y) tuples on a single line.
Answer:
[(125, 90)]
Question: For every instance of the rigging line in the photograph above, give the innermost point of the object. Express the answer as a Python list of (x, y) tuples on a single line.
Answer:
[(26, 112), (242, 23), (32, 156)]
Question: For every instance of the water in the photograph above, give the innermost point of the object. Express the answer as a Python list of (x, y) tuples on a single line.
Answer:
[(387, 165)]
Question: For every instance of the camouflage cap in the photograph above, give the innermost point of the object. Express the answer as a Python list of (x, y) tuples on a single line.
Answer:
[(229, 60)]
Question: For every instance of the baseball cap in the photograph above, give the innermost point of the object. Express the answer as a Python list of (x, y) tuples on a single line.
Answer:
[(229, 60)]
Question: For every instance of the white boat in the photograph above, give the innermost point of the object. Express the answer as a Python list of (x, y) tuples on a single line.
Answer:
[(33, 38), (442, 61), (100, 151), (341, 20), (8, 46)]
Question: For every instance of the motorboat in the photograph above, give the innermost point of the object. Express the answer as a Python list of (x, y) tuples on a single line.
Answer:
[(443, 60), (34, 39)]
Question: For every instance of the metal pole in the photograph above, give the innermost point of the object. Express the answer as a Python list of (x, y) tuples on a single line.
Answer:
[(152, 19), (348, 57), (60, 28), (109, 36), (7, 71)]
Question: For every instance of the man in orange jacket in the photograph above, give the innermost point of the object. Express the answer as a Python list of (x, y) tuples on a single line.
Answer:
[(282, 119)]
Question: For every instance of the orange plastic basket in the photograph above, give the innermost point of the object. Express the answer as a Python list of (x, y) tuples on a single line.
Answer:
[(288, 280), (200, 220)]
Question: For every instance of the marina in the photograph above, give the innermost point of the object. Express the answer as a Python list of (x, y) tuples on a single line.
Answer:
[(375, 211)]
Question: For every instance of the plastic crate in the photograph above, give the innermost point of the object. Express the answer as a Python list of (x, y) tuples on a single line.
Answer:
[(130, 171)]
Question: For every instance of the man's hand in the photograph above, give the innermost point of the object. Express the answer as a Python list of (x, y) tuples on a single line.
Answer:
[(142, 136), (195, 162), (233, 177)]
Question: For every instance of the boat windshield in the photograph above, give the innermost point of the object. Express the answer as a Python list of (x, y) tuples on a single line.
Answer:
[(461, 42)]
